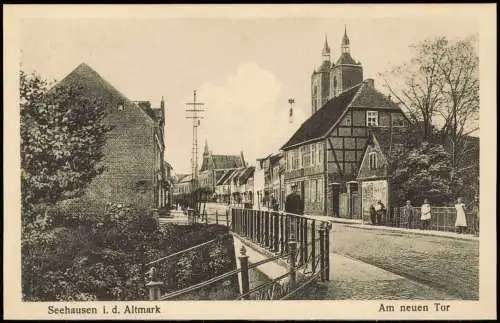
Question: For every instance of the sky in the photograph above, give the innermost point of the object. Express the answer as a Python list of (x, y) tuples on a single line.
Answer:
[(244, 69)]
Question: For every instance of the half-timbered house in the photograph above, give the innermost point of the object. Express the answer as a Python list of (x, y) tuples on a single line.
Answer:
[(323, 156)]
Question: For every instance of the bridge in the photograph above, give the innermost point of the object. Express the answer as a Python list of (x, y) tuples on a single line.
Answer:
[(290, 250)]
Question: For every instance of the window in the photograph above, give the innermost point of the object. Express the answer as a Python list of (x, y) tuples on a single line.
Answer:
[(295, 159), (372, 118), (398, 120), (373, 160), (306, 156), (320, 191), (319, 151), (347, 120), (313, 154), (313, 191)]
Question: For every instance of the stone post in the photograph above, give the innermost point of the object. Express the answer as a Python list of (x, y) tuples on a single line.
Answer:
[(245, 283), (153, 285)]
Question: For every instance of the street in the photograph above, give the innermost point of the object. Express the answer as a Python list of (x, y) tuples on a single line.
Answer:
[(448, 265), (382, 264)]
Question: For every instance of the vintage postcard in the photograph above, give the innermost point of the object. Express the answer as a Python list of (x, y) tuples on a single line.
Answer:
[(250, 162)]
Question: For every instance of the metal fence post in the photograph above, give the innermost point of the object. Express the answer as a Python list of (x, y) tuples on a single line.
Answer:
[(292, 246), (276, 231), (245, 284), (233, 220), (313, 246), (322, 252), (153, 285), (206, 216), (282, 231), (216, 217), (327, 251), (304, 237), (227, 219)]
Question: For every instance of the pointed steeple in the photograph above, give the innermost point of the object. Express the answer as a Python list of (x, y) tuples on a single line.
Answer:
[(345, 41), (206, 152), (326, 49)]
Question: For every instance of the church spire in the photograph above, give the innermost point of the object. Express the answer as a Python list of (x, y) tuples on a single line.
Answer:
[(162, 103), (206, 152), (326, 50), (345, 41)]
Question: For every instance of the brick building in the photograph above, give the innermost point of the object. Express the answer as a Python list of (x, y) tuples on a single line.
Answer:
[(133, 150)]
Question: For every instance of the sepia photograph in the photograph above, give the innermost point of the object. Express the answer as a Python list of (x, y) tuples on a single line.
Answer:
[(165, 156)]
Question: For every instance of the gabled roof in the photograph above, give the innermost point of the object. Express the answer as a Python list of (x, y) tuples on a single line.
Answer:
[(247, 173), (225, 176), (320, 123), (158, 113), (226, 161), (182, 178), (95, 86), (324, 119)]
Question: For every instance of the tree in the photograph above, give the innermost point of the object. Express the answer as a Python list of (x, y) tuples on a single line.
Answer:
[(418, 84), (62, 138), (460, 107), (420, 172), (439, 87)]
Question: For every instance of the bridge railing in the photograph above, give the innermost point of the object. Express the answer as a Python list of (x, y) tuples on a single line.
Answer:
[(273, 230), (298, 242)]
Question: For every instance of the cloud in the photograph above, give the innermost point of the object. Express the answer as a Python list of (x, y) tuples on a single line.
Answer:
[(243, 113)]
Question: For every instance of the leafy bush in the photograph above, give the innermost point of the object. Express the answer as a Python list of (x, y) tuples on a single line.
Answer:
[(76, 255)]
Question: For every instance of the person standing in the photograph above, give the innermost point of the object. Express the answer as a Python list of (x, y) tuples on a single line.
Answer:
[(380, 210), (294, 203), (461, 221), (408, 213), (475, 211), (425, 215), (373, 214), (274, 204)]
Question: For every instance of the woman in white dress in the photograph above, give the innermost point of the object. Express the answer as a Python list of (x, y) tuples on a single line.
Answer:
[(461, 221), (425, 215)]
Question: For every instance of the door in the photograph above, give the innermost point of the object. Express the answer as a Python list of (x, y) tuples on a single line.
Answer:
[(336, 200)]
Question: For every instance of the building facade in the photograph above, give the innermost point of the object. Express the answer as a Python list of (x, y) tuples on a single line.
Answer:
[(324, 154), (213, 168), (133, 149)]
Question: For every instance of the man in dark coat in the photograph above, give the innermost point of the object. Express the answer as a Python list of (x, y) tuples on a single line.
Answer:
[(294, 203), (408, 214)]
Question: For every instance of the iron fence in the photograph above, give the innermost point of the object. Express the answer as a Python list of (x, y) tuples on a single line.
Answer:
[(442, 219), (299, 243)]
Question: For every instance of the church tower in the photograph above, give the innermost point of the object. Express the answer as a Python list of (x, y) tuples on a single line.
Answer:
[(320, 80), (346, 72)]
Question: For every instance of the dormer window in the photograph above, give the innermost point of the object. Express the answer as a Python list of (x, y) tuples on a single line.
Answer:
[(372, 118), (373, 160)]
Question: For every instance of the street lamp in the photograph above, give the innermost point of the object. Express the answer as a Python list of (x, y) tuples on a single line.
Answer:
[(290, 114)]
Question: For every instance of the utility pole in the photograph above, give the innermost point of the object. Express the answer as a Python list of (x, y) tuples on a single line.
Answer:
[(194, 111)]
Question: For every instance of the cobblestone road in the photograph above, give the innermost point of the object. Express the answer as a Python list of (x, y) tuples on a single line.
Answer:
[(441, 267)]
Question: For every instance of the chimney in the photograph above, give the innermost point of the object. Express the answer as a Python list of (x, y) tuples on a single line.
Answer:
[(370, 82)]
